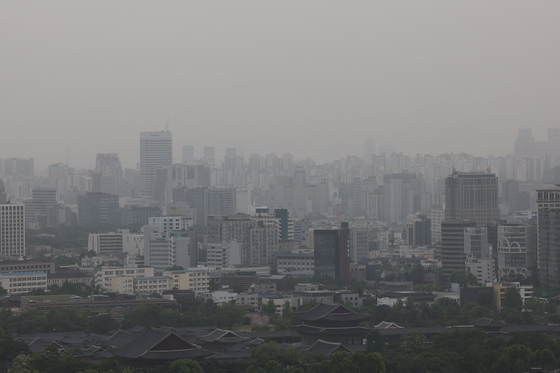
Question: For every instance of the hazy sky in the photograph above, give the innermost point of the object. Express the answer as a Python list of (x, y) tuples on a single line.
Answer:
[(313, 78)]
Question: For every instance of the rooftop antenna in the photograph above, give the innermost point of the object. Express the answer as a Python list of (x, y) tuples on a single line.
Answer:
[(167, 124)]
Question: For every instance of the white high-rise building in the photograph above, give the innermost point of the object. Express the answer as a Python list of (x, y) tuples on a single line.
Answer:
[(12, 230), (155, 152)]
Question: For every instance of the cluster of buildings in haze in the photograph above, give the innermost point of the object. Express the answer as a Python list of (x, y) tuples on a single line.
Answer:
[(357, 218)]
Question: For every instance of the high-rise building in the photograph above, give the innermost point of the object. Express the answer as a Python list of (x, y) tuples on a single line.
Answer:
[(548, 233), (3, 198), (517, 251), (209, 154), (399, 191), (155, 151), (332, 253), (12, 229), (369, 149), (525, 143), (16, 167), (471, 196), (188, 153), (453, 246), (98, 208), (43, 200), (110, 169)]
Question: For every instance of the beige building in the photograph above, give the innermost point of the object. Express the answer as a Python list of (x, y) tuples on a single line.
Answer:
[(189, 279), (149, 285), (122, 284)]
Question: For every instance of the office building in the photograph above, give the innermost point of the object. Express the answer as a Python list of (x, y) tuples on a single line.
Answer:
[(12, 229), (98, 208), (108, 166), (517, 251), (472, 196), (223, 255), (22, 167), (188, 153), (209, 154), (23, 282), (332, 254), (548, 234), (453, 256), (156, 151), (43, 200)]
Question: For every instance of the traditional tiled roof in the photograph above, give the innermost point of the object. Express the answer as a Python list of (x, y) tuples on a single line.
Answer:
[(323, 331), (487, 323), (387, 325), (331, 312), (222, 336), (159, 345), (327, 348)]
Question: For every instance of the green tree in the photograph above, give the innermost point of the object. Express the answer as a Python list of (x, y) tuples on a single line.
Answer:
[(3, 291), (340, 362), (417, 274), (237, 289), (269, 307), (534, 305), (287, 310), (544, 359), (550, 306), (512, 299), (103, 323), (485, 298), (228, 314), (463, 278), (281, 323), (185, 366), (375, 341), (413, 343), (212, 285)]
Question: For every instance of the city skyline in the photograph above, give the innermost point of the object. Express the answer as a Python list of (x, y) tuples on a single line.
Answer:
[(315, 80)]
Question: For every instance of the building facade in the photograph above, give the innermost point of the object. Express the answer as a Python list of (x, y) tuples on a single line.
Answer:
[(472, 196), (156, 151)]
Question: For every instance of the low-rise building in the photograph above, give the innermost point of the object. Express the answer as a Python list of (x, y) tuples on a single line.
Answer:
[(321, 296), (294, 262), (306, 287), (349, 296), (103, 276), (23, 282), (195, 279), (218, 296), (247, 299), (525, 291), (60, 278), (153, 284), (9, 266), (122, 284)]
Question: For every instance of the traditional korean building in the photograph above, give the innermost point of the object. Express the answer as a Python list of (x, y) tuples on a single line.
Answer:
[(157, 347), (331, 323)]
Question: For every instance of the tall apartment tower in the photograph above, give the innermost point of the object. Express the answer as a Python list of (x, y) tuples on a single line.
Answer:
[(453, 246), (155, 152), (471, 196), (332, 253), (12, 229), (188, 153), (209, 153), (548, 235)]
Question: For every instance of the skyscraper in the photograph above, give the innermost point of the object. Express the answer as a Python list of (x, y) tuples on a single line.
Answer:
[(332, 253), (548, 231), (471, 196), (453, 246), (188, 153), (12, 230), (155, 152)]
